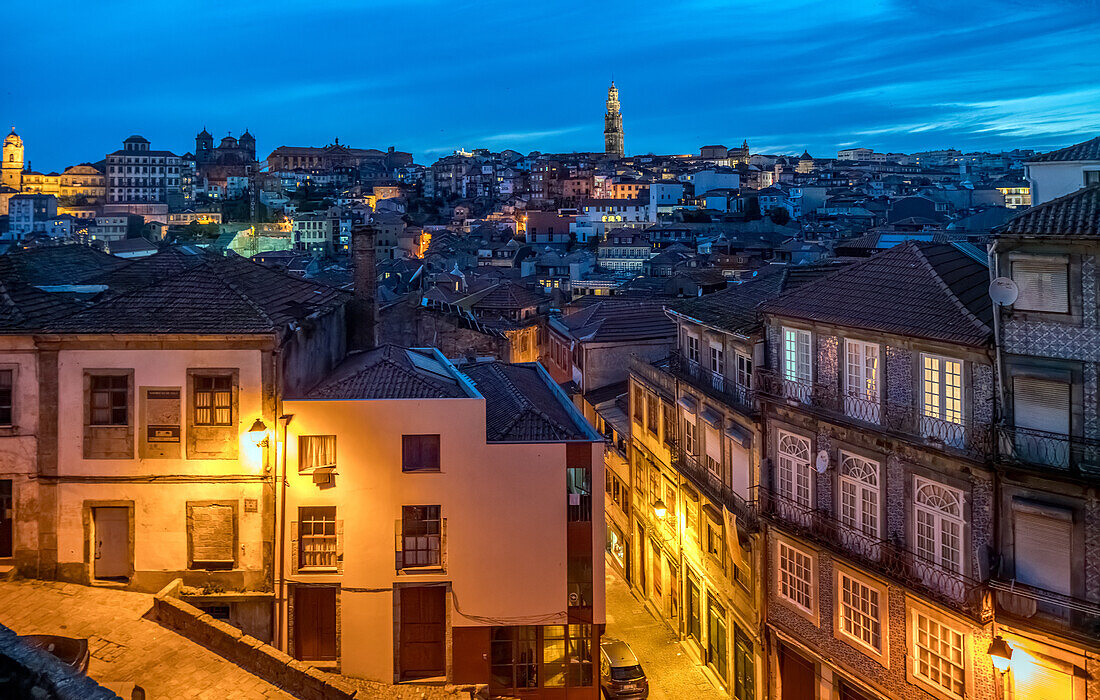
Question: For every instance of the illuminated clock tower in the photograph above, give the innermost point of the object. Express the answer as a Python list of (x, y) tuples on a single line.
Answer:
[(613, 124)]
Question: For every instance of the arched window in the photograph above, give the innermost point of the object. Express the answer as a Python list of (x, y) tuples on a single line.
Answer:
[(859, 494), (938, 519), (794, 469)]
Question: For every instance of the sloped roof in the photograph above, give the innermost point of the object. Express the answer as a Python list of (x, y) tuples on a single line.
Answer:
[(1073, 215), (66, 264), (735, 308), (1086, 150), (613, 320), (924, 290), (520, 406), (389, 372), (510, 296)]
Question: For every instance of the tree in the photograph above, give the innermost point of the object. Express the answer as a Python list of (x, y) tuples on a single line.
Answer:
[(779, 216), (752, 209)]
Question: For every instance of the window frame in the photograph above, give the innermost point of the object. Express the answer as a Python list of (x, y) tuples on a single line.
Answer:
[(406, 455), (112, 392), (940, 516), (1037, 261), (322, 538), (859, 490), (212, 393), (881, 617), (303, 452), (407, 535), (7, 396), (797, 359), (809, 563), (914, 611), (795, 464)]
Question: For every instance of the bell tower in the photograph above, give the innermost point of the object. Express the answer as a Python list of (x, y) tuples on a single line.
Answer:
[(12, 171), (613, 124)]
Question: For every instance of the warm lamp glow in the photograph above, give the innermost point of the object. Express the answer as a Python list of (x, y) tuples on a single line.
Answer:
[(258, 433), (659, 509), (1000, 653)]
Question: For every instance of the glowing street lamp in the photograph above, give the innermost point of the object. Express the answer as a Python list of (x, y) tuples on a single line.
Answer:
[(258, 433), (660, 509), (1000, 653)]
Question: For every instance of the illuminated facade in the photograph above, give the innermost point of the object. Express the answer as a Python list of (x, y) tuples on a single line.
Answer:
[(11, 172), (613, 124), (142, 181)]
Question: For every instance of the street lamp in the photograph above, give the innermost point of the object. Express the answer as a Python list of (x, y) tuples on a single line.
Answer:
[(258, 433), (1000, 653), (659, 509)]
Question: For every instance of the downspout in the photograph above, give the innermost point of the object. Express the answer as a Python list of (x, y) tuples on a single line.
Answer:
[(280, 597), (994, 265)]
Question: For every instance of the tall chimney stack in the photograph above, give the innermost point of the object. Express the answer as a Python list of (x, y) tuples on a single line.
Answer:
[(363, 308)]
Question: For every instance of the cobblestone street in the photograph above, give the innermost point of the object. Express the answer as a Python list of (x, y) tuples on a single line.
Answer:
[(672, 674)]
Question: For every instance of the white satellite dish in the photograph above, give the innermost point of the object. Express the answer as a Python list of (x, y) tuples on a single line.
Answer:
[(822, 461), (1003, 291)]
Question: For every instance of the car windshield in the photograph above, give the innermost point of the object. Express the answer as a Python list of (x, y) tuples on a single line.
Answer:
[(626, 673)]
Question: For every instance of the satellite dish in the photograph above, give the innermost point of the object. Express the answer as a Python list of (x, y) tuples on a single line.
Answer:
[(822, 461), (1003, 291)]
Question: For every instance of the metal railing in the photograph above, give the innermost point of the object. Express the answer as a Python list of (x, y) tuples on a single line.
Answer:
[(946, 432), (713, 487), (1037, 448), (715, 384), (892, 559), (1053, 611)]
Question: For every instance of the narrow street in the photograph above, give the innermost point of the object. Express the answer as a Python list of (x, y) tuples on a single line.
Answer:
[(672, 674)]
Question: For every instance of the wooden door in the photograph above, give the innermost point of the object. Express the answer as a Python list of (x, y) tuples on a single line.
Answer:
[(423, 640), (796, 675), (315, 623), (112, 542), (6, 512)]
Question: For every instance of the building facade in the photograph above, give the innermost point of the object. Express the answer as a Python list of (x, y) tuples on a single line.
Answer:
[(613, 125), (142, 181)]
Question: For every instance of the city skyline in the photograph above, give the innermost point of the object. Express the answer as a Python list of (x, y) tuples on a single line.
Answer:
[(785, 81)]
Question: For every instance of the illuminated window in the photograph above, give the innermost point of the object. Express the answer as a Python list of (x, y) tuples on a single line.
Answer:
[(514, 652), (860, 612), (213, 400), (938, 654), (861, 380), (796, 577), (316, 451), (317, 538), (794, 468)]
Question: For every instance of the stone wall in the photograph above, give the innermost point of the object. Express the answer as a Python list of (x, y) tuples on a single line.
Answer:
[(26, 672)]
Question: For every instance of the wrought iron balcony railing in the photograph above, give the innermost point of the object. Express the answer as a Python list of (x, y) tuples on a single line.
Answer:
[(934, 579), (709, 481), (1037, 448), (1053, 611), (715, 384), (940, 429)]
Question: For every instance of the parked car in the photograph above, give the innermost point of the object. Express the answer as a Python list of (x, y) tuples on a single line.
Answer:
[(621, 676)]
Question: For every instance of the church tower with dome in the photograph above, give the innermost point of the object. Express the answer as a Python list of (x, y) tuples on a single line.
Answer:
[(13, 162)]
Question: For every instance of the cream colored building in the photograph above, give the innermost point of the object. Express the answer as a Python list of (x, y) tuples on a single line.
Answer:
[(440, 525)]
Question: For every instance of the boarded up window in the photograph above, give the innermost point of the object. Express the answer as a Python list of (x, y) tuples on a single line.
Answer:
[(212, 535)]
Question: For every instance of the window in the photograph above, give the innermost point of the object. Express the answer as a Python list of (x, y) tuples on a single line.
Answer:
[(715, 544), (1043, 547), (938, 655), (717, 656), (1043, 284), (110, 399), (860, 613), (694, 619), (797, 363), (1092, 177), (744, 371), (796, 577), (744, 681), (316, 451), (859, 489), (712, 448), (579, 494), (941, 402), (420, 453), (794, 469), (514, 652), (668, 419), (689, 434), (639, 406), (653, 413), (566, 656), (717, 359), (6, 376), (211, 534), (938, 517), (421, 535), (861, 381), (213, 400), (692, 348), (1041, 413), (317, 538)]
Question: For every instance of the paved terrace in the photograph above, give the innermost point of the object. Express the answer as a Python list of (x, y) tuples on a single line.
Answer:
[(127, 648)]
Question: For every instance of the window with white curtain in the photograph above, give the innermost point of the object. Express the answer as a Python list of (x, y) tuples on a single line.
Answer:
[(316, 451), (796, 355), (859, 494), (861, 380), (938, 515)]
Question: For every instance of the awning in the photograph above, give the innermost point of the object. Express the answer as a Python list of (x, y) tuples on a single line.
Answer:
[(739, 435)]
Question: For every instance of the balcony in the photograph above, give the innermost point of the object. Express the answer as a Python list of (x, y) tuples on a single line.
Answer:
[(657, 377), (709, 482), (1054, 612), (714, 384), (891, 559), (1029, 448), (907, 421)]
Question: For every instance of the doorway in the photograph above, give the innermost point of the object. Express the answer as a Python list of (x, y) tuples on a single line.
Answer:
[(111, 535), (315, 623), (796, 675), (423, 633)]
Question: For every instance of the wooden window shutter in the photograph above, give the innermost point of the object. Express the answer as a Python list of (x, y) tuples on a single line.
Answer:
[(339, 546), (1043, 285), (1043, 548), (294, 546), (1041, 404)]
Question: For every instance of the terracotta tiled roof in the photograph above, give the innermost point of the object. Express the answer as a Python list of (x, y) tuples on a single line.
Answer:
[(1086, 150), (923, 290), (619, 321), (1074, 215), (389, 372), (520, 404)]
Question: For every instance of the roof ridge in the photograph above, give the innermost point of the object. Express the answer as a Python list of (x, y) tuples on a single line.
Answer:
[(943, 286), (232, 286), (529, 407)]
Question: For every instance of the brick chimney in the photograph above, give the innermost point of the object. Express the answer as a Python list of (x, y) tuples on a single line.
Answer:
[(362, 311)]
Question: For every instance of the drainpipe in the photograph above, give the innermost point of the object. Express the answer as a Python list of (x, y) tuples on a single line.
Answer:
[(280, 539), (994, 266)]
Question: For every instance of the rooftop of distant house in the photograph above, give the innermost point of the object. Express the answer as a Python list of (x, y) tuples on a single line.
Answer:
[(1076, 214)]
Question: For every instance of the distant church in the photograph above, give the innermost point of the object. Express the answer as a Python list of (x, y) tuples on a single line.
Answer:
[(613, 124), (230, 158)]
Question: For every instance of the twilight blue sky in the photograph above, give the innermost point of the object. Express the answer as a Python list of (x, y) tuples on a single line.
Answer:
[(430, 76)]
